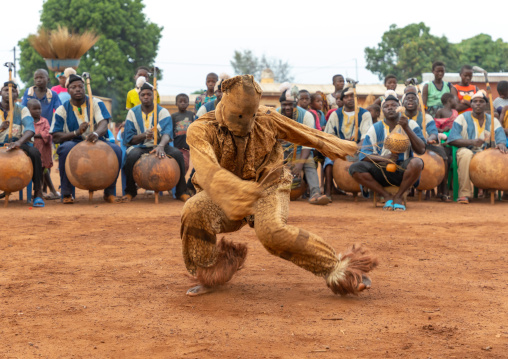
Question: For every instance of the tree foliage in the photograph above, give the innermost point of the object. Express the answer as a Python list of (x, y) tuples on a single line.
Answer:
[(128, 40), (246, 63), (482, 51), (409, 51)]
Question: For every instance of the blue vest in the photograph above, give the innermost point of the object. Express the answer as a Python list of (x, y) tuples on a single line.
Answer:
[(299, 118), (338, 131)]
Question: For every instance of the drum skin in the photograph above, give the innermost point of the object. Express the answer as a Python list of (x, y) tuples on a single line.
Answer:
[(342, 177), (16, 170), (433, 171), (156, 174), (92, 166), (489, 170)]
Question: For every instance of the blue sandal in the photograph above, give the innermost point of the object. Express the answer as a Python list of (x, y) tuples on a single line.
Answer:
[(38, 202), (388, 205), (399, 207)]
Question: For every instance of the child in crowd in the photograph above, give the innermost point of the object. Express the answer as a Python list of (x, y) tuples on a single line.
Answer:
[(446, 115), (316, 108), (501, 103), (375, 112), (133, 95), (181, 122), (42, 141), (465, 90), (209, 94), (338, 83), (60, 89), (339, 105), (434, 90), (48, 99), (304, 101)]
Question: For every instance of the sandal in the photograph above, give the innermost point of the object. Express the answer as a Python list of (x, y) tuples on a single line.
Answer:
[(68, 200), (318, 199), (38, 202), (463, 200), (399, 207), (388, 205)]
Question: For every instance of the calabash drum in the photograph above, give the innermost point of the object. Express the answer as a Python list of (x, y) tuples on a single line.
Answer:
[(92, 166), (342, 177), (16, 171), (489, 170), (433, 170), (156, 174)]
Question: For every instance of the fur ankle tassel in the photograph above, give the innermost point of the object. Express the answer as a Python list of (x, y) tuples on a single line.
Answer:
[(231, 257), (350, 269)]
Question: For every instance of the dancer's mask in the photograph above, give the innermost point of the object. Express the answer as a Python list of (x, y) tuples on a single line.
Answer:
[(239, 104)]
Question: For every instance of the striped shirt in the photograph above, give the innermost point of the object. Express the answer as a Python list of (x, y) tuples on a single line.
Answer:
[(135, 125), (373, 144), (342, 124), (466, 127), (67, 117), (22, 121)]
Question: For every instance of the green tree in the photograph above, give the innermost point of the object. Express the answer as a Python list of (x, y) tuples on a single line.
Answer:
[(482, 51), (410, 51), (128, 40), (246, 63)]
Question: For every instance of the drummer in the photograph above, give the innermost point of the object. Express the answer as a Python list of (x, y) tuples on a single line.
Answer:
[(341, 123), (71, 126), (410, 103), (471, 133), (371, 171), (138, 136), (23, 130)]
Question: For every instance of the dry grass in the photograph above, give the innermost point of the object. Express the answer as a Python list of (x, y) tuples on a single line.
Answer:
[(62, 44)]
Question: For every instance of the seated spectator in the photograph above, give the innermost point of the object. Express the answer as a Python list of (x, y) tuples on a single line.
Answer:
[(471, 133), (371, 171)]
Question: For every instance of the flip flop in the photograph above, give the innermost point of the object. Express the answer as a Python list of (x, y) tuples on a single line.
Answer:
[(38, 202), (463, 200), (68, 200), (388, 205), (399, 207)]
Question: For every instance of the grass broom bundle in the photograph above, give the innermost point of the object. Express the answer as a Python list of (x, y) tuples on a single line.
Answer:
[(62, 44)]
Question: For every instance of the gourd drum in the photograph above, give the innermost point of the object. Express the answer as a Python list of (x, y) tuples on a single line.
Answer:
[(342, 177), (489, 170), (156, 174), (397, 142), (433, 171), (298, 187), (16, 170), (92, 166)]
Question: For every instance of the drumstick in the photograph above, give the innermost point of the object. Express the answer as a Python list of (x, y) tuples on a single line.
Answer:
[(10, 116), (90, 99), (90, 117), (422, 107), (155, 106), (155, 118)]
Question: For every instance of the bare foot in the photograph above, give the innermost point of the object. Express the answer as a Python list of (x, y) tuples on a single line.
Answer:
[(199, 290), (111, 199), (127, 198)]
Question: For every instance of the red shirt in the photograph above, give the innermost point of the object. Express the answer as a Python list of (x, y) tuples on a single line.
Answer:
[(467, 92)]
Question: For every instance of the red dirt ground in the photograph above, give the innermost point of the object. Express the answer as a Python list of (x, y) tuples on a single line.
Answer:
[(108, 281)]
